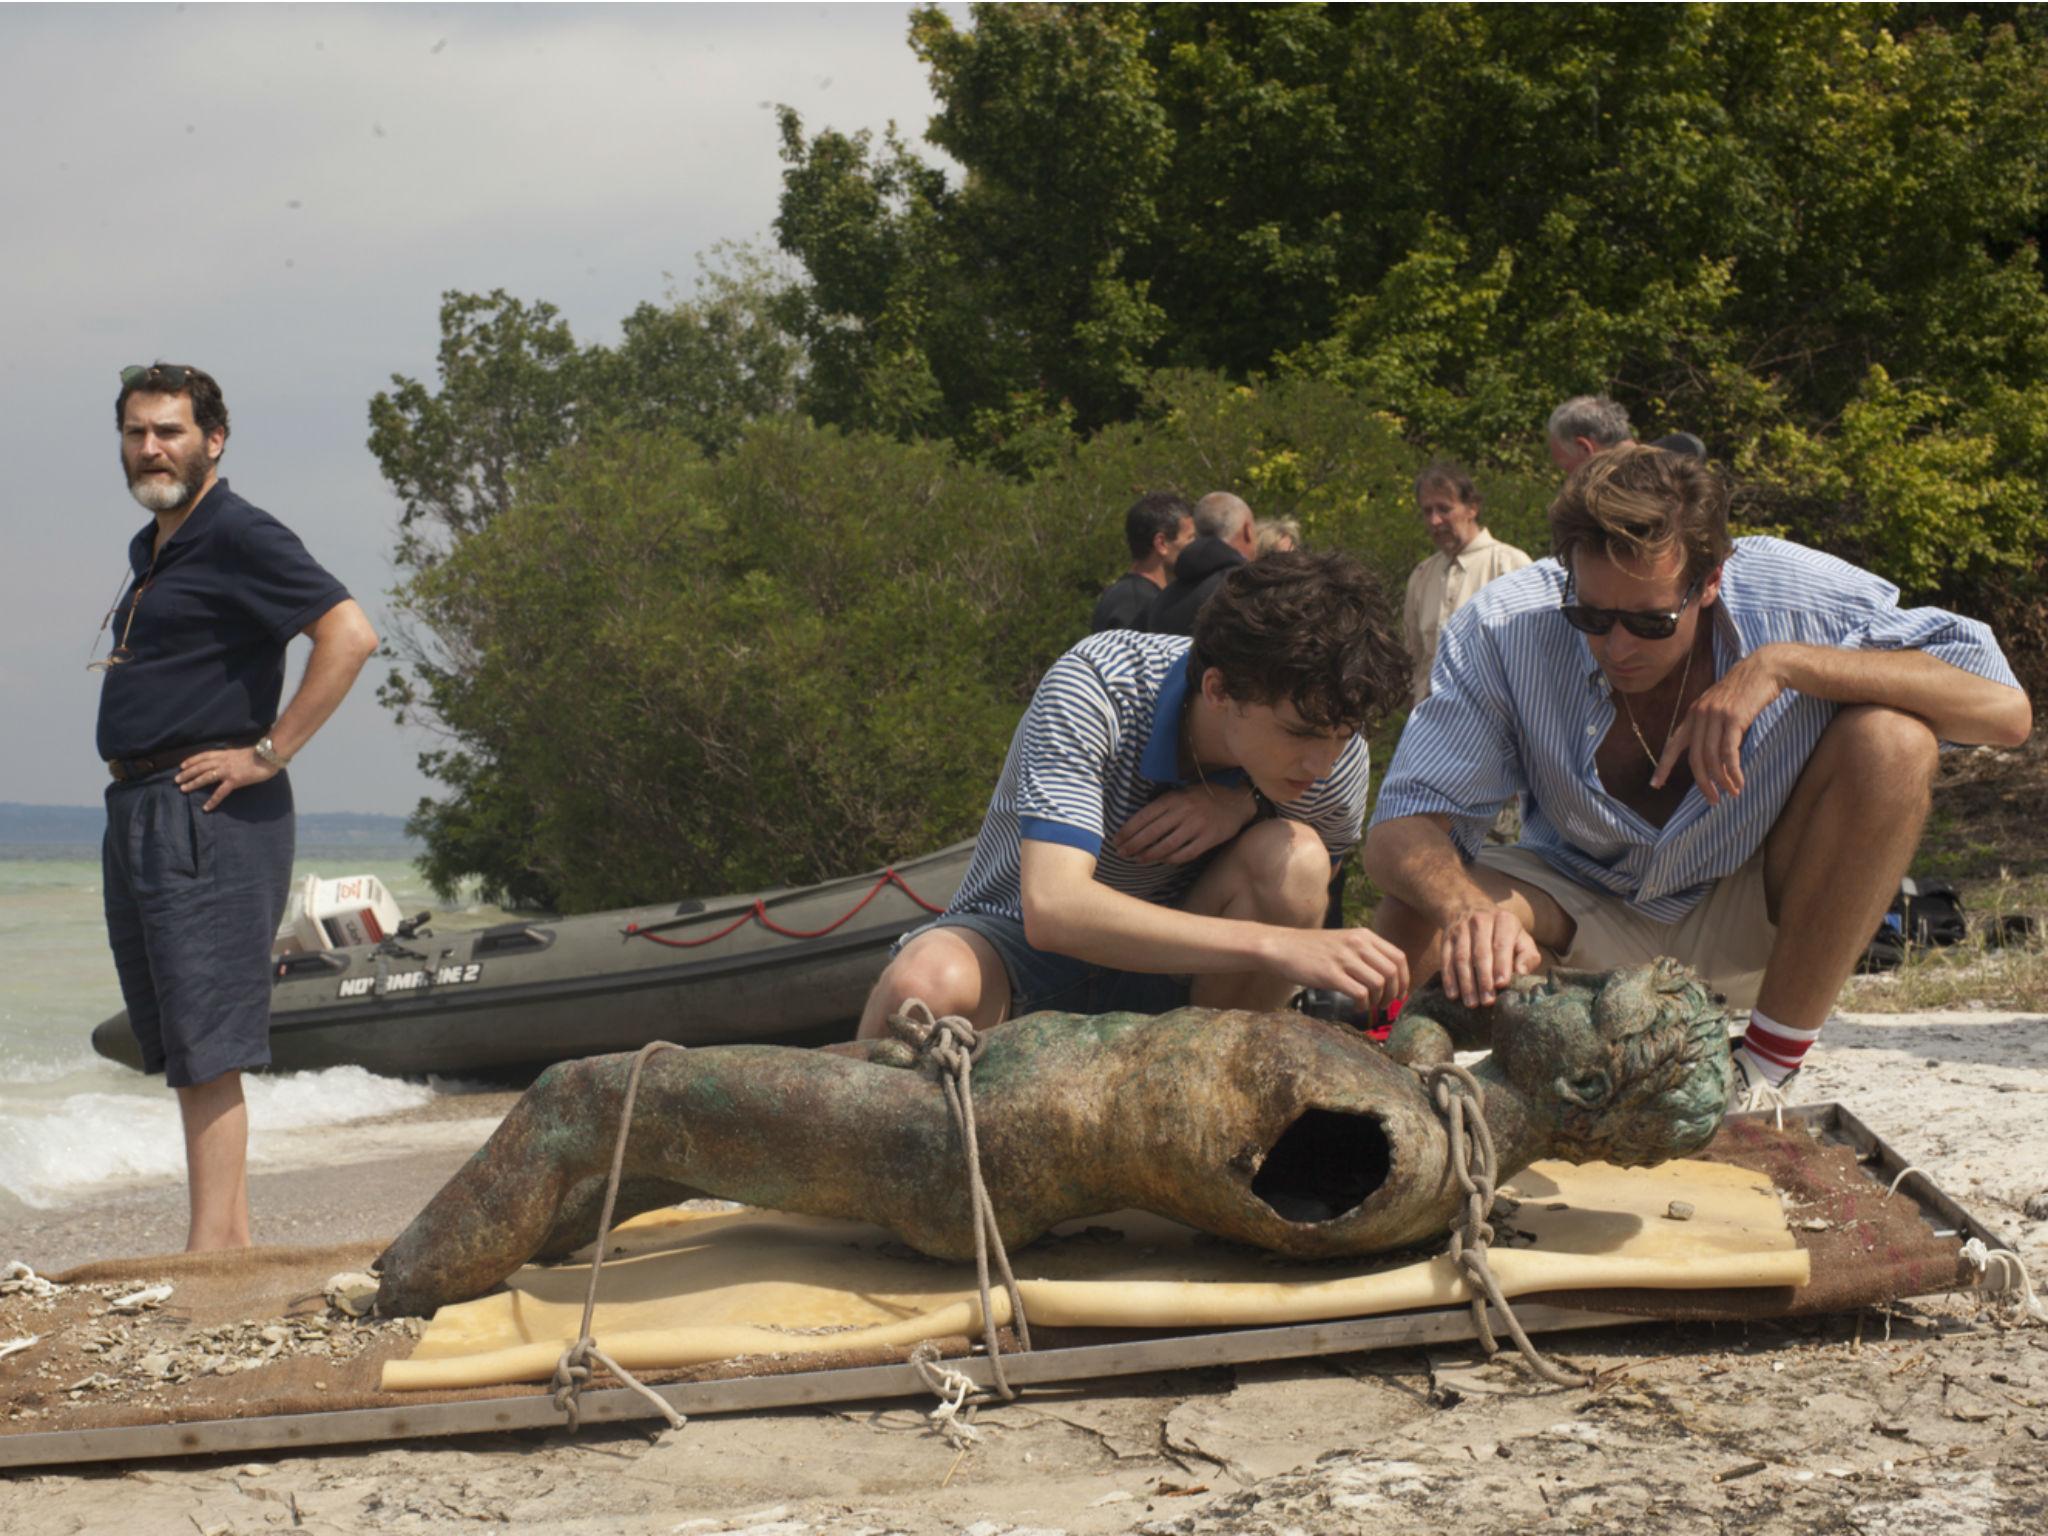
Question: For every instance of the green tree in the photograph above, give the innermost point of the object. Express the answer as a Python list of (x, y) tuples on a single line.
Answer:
[(511, 381), (932, 309), (515, 390), (1808, 233), (678, 637)]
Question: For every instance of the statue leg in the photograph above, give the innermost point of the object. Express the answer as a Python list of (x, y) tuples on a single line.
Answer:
[(576, 1222), (1418, 1042), (816, 1132), (508, 1202)]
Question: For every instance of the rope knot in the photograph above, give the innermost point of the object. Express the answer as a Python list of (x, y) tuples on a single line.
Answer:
[(1456, 1094), (957, 1394), (2005, 1273), (951, 1044), (572, 1375)]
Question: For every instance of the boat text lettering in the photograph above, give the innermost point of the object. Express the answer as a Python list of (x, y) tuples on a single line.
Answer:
[(410, 981)]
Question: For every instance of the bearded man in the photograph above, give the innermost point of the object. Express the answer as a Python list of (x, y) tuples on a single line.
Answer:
[(1727, 748), (198, 849)]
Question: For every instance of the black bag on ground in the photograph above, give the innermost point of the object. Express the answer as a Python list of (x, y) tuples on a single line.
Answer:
[(1924, 914)]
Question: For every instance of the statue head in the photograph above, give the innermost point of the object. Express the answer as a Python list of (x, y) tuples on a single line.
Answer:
[(1632, 1064)]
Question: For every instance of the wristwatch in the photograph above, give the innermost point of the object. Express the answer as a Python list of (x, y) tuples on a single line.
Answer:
[(267, 750)]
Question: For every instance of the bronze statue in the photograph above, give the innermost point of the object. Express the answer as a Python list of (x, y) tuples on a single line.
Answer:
[(1273, 1129)]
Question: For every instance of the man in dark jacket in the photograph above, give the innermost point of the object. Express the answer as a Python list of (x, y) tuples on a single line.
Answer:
[(1225, 538), (1157, 527)]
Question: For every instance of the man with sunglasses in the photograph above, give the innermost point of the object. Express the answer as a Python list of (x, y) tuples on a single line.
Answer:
[(198, 851), (1726, 747)]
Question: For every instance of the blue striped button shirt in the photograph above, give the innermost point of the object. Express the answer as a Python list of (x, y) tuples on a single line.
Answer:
[(1099, 743), (1518, 705)]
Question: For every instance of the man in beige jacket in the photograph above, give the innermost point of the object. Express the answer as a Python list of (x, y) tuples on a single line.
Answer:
[(1467, 557)]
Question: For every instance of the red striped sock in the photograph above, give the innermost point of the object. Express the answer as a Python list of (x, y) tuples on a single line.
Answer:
[(1776, 1048)]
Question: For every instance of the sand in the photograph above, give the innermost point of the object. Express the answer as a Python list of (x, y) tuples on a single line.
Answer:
[(1927, 1417)]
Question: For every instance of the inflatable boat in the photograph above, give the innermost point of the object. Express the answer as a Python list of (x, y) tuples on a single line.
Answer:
[(785, 967)]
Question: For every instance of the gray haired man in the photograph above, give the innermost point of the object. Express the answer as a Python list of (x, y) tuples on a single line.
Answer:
[(1588, 424), (1226, 536), (1583, 426)]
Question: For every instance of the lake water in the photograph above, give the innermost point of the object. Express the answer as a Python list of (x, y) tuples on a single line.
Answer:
[(70, 1120)]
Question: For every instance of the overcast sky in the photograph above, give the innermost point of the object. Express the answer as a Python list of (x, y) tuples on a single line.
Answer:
[(281, 194)]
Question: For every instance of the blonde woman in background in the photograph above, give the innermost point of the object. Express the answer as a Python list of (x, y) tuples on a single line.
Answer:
[(1277, 536)]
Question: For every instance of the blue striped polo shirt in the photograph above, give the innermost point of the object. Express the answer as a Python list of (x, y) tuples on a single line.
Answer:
[(1100, 742), (1518, 705)]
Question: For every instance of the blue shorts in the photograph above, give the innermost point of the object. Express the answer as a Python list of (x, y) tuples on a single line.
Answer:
[(193, 902), (1041, 982)]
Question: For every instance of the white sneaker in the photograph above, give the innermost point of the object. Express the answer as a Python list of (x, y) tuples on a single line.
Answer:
[(1748, 1091)]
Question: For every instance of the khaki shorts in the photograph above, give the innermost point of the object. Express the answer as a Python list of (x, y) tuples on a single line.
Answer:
[(1727, 937)]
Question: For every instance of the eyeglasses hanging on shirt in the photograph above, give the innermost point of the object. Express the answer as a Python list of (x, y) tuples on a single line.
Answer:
[(120, 652)]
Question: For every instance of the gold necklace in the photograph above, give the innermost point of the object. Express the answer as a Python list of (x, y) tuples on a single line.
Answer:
[(1683, 678)]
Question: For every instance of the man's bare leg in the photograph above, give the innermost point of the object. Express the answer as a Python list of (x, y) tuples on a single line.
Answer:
[(953, 970), (1833, 861), (1421, 939), (216, 1119), (1275, 872)]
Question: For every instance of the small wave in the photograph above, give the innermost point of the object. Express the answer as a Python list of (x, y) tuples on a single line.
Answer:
[(463, 1087), (18, 1071), (48, 1151)]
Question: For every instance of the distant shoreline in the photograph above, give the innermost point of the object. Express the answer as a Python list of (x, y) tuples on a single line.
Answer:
[(36, 825)]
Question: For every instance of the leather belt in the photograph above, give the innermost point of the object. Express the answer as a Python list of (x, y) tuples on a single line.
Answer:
[(127, 769)]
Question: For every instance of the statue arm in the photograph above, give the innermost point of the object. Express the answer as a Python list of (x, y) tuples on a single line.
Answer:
[(1418, 1042)]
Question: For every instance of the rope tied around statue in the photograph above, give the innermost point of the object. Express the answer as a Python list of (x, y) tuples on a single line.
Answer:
[(1456, 1094), (950, 1045), (573, 1370)]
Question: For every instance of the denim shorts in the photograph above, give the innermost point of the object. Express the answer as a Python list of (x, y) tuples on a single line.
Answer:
[(193, 901), (1041, 982)]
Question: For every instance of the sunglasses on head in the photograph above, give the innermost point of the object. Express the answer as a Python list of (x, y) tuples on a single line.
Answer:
[(1644, 624), (170, 375)]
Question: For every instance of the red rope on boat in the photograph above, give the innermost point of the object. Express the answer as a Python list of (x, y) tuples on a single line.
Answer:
[(758, 913)]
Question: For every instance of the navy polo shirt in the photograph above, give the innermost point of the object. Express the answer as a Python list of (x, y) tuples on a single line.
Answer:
[(216, 608)]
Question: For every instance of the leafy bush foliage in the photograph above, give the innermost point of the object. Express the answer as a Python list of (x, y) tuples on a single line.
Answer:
[(806, 656)]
